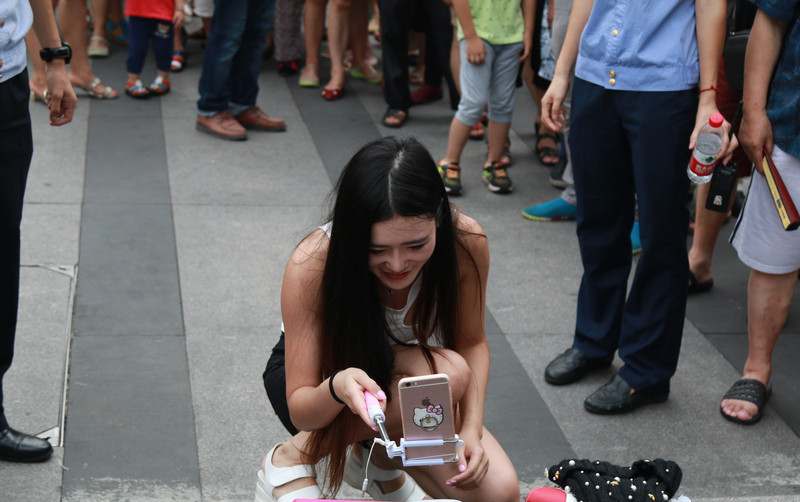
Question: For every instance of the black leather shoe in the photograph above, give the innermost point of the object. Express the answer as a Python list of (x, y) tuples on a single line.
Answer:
[(571, 366), (616, 397), (17, 446)]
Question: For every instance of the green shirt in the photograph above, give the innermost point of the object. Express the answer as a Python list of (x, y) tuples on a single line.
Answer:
[(499, 22)]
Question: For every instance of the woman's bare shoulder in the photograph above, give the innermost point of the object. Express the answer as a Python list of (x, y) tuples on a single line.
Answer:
[(310, 254)]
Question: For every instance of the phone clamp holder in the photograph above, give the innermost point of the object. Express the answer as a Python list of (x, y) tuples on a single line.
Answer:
[(393, 450)]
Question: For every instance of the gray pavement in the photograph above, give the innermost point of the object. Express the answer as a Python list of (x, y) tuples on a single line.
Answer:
[(152, 261)]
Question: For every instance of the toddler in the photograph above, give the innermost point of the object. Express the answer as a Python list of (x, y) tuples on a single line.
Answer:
[(153, 20), (493, 38)]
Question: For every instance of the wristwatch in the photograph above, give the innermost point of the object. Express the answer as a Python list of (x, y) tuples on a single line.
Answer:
[(64, 52)]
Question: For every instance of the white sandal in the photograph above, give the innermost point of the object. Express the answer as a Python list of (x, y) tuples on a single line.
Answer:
[(354, 476), (279, 476)]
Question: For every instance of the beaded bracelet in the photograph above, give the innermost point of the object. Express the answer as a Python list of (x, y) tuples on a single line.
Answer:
[(330, 387)]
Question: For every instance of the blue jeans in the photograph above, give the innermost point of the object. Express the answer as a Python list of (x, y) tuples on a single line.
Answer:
[(233, 55)]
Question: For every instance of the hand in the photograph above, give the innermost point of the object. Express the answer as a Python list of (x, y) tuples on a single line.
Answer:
[(350, 385), (526, 48), (61, 99), (473, 463), (756, 135), (476, 51), (552, 113), (704, 111), (178, 18)]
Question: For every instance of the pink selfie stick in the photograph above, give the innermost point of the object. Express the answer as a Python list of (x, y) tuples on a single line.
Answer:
[(376, 414), (374, 408)]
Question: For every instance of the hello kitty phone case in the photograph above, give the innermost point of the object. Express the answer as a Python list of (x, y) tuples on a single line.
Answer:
[(426, 411)]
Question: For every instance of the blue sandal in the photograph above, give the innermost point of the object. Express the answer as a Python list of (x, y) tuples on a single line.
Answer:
[(122, 25)]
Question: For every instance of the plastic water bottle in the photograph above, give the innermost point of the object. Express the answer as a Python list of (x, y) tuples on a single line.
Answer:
[(704, 156)]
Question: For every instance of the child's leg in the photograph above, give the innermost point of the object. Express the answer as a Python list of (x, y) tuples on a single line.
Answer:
[(502, 91), (163, 43), (139, 33), (498, 133), (139, 39), (475, 80)]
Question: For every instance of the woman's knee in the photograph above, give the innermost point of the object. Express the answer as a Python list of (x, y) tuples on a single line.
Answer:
[(457, 369)]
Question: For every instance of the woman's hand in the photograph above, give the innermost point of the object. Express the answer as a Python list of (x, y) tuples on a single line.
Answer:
[(350, 384), (473, 463)]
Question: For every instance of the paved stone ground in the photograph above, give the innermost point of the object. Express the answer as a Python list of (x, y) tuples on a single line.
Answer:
[(152, 262)]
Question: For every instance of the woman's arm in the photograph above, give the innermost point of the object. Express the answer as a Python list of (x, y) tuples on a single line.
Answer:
[(311, 404), (471, 344)]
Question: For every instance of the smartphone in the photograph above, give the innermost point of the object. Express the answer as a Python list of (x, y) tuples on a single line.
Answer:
[(426, 410)]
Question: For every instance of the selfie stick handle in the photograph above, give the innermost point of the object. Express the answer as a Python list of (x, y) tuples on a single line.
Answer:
[(376, 414)]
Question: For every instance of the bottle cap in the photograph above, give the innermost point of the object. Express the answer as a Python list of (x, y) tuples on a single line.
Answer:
[(716, 120)]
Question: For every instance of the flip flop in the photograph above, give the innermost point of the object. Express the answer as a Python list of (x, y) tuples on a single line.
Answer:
[(698, 287), (752, 391)]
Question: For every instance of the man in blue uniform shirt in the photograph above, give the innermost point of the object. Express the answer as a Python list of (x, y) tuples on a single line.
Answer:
[(645, 81), (16, 150)]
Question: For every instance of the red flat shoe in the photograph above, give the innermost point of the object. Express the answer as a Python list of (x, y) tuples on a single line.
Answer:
[(332, 94)]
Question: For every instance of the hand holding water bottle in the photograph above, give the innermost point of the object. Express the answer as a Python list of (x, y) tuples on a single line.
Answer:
[(707, 147)]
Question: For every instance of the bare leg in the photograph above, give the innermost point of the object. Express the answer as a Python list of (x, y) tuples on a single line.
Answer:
[(706, 230), (72, 19), (338, 32), (498, 133), (314, 26), (459, 135), (768, 300), (99, 14)]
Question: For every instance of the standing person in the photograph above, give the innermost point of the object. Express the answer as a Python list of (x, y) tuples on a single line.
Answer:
[(494, 37), (393, 286), (771, 120), (16, 151), (635, 109), (231, 63), (72, 22), (155, 20), (396, 22)]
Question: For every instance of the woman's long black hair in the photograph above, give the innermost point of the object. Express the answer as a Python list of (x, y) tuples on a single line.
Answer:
[(385, 178)]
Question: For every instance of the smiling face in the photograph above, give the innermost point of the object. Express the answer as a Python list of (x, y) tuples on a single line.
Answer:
[(399, 248)]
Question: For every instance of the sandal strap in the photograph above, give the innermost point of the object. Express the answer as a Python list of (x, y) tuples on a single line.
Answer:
[(94, 83), (278, 476), (750, 390), (264, 491)]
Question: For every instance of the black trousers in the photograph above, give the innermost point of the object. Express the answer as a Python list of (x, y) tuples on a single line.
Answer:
[(630, 146), (16, 150), (396, 21)]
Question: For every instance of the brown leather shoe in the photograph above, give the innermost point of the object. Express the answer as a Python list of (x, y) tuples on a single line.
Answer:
[(222, 125), (255, 118)]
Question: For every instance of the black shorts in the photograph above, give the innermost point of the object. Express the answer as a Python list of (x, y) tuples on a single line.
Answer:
[(275, 384)]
